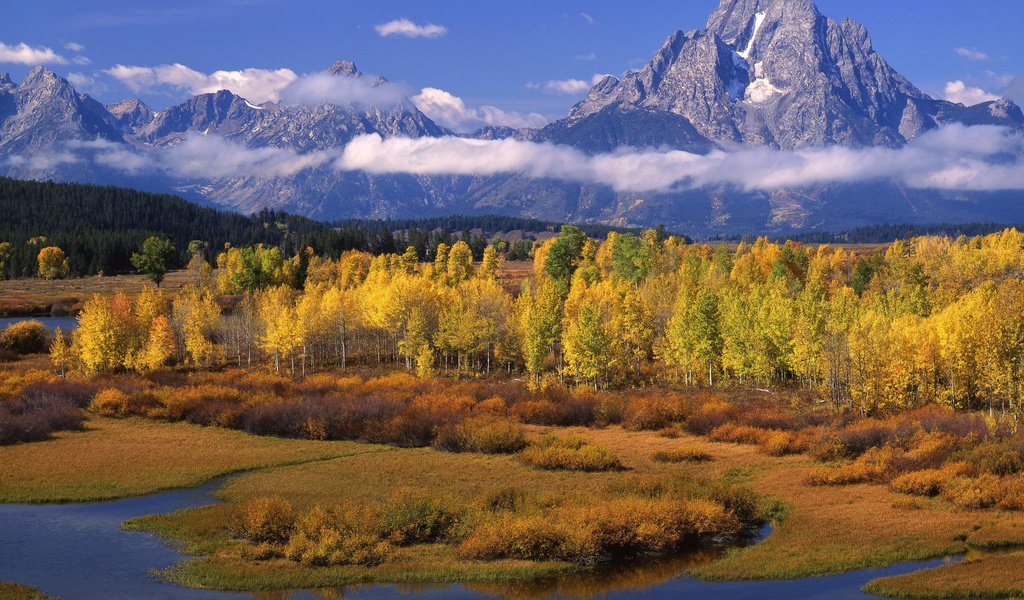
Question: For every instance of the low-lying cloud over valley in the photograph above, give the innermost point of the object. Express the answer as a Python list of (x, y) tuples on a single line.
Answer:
[(956, 157)]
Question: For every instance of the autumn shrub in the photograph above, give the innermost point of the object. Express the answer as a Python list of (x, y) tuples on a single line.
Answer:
[(33, 418), (203, 404), (926, 482), (709, 415), (998, 457), (617, 528), (24, 337), (323, 537), (1013, 495), (648, 413), (570, 454), (874, 465), (110, 402), (264, 521), (78, 393), (739, 434), (495, 405), (983, 491), (523, 537), (414, 517), (566, 412), (931, 449), (507, 499), (484, 433), (681, 455), (782, 443)]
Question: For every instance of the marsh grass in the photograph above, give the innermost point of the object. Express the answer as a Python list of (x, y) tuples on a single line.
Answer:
[(569, 454), (114, 458)]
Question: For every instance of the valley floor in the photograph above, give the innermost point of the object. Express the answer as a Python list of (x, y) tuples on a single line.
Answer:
[(822, 529)]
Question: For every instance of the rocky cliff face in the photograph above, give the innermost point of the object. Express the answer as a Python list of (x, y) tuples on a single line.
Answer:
[(778, 73), (44, 110)]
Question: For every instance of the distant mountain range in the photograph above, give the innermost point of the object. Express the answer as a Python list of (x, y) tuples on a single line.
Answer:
[(764, 73)]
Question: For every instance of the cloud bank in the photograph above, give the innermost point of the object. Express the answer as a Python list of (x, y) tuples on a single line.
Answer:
[(406, 28), (256, 85), (451, 111), (956, 157)]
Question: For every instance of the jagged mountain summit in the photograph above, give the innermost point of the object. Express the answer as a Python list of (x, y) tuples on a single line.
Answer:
[(779, 73), (762, 73)]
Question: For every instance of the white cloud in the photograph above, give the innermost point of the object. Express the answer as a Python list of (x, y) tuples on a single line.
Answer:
[(80, 80), (264, 85), (256, 85), (211, 157), (586, 17), (569, 87), (406, 28), (961, 93), (971, 54), (323, 88), (74, 46), (451, 111), (586, 57), (81, 60), (954, 157), (23, 54)]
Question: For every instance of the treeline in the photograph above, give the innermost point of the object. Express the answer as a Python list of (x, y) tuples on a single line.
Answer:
[(100, 227), (930, 320), (885, 234), (488, 224)]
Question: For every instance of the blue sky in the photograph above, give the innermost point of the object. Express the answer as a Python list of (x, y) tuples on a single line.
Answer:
[(495, 53)]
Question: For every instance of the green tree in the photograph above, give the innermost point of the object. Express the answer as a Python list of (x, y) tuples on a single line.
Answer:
[(565, 254), (157, 257)]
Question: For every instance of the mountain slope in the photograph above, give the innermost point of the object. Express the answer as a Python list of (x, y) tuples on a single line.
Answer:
[(779, 73)]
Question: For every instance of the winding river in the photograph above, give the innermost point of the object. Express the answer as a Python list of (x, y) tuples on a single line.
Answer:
[(79, 552)]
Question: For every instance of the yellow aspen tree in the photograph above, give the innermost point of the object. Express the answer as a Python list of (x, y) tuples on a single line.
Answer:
[(491, 265), (460, 263), (160, 345), (195, 317), (95, 342), (60, 353)]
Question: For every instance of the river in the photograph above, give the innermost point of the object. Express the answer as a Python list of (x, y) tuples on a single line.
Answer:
[(66, 324), (79, 552)]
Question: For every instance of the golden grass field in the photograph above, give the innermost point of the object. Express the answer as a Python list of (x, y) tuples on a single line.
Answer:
[(119, 458)]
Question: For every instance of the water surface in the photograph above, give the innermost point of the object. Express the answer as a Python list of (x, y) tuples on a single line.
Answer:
[(66, 324)]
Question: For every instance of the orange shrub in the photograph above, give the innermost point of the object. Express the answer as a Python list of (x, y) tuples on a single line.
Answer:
[(111, 402), (486, 434), (739, 434), (684, 454), (264, 520), (652, 412), (877, 464), (709, 415), (983, 491), (570, 454)]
